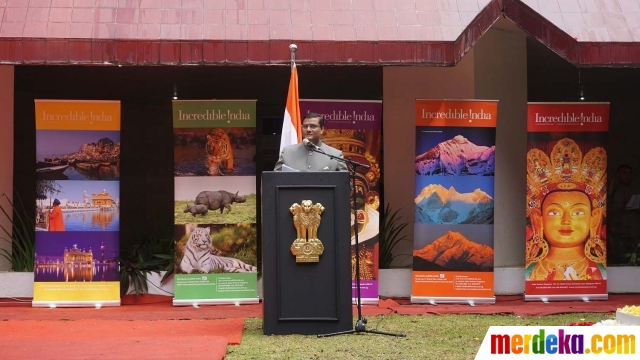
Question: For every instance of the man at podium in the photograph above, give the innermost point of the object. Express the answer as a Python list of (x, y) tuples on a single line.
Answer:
[(307, 156)]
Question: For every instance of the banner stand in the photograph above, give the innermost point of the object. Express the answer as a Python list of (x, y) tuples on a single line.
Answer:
[(77, 222), (566, 202), (69, 304), (215, 208), (435, 300), (454, 208), (354, 127), (198, 302), (549, 298)]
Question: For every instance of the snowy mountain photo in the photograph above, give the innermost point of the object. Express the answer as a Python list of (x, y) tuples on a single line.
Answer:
[(457, 156), (436, 204)]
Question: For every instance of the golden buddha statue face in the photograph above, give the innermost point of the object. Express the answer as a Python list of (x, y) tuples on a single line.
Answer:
[(566, 218), (566, 204)]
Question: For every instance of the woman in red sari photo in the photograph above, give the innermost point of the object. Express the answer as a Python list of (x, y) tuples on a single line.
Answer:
[(56, 223)]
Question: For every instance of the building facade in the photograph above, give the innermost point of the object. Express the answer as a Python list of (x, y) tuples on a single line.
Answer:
[(444, 49)]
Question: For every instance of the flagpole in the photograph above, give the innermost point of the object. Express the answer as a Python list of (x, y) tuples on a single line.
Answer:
[(293, 48), (291, 131)]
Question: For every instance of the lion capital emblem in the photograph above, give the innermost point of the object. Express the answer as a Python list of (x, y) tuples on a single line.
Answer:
[(306, 219)]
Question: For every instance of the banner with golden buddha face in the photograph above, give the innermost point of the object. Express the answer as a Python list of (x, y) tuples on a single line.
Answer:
[(566, 204), (453, 196), (77, 203), (353, 127)]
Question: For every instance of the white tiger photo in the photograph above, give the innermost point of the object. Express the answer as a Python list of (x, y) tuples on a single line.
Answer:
[(198, 256)]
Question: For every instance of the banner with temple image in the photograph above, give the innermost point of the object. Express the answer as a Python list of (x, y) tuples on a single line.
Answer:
[(565, 245), (215, 207), (454, 207), (77, 219), (354, 127)]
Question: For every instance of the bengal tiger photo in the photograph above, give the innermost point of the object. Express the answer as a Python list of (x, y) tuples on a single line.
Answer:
[(219, 152), (214, 151)]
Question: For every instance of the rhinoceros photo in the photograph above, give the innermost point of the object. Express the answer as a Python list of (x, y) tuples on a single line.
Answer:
[(220, 199), (197, 209)]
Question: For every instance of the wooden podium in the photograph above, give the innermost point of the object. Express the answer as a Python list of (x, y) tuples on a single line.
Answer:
[(306, 298)]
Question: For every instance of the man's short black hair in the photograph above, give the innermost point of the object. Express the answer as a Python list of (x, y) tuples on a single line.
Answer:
[(624, 166), (313, 115)]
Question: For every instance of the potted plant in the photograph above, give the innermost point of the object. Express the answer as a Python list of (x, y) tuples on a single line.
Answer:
[(18, 231), (141, 260), (393, 282), (21, 236), (633, 257), (391, 234)]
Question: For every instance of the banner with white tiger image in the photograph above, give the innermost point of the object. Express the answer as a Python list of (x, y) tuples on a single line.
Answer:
[(215, 207), (77, 220), (354, 127)]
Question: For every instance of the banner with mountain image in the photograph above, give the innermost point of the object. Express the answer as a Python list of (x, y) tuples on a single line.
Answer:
[(454, 208), (354, 127), (215, 208), (566, 237), (77, 203)]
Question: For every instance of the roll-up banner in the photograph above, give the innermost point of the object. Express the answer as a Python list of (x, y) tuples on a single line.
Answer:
[(353, 127), (77, 203), (565, 248), (215, 202), (454, 191)]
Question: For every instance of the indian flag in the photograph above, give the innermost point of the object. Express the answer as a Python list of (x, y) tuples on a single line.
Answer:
[(291, 132)]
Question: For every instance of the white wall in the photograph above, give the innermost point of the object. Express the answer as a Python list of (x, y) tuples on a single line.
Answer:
[(6, 149), (401, 87), (494, 69), (501, 73)]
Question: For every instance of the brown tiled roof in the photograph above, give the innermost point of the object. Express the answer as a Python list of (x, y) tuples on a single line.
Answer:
[(440, 32), (593, 20)]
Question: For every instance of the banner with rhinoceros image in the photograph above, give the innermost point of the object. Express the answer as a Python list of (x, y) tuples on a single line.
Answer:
[(215, 208), (454, 207)]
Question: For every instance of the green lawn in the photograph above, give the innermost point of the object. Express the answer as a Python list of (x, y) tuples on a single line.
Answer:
[(439, 337)]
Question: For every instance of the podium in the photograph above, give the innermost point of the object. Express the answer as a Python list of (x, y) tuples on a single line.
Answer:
[(313, 297)]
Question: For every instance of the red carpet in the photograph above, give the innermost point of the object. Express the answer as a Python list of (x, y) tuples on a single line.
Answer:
[(513, 305), (143, 307), (157, 347), (118, 339), (157, 307), (150, 327)]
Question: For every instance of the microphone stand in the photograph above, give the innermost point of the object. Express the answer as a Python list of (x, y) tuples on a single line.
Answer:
[(361, 323)]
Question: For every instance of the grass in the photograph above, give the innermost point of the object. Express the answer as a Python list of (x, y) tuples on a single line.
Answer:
[(441, 337)]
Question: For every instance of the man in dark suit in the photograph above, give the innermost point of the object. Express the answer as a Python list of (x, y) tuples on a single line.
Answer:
[(303, 158)]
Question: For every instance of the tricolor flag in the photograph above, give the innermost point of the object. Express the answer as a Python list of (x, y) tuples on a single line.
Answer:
[(291, 132)]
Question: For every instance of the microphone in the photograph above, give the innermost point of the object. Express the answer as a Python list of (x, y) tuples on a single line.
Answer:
[(308, 143)]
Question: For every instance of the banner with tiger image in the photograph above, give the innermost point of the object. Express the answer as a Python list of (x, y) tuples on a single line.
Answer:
[(566, 204), (454, 207), (77, 234), (354, 127), (215, 207)]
